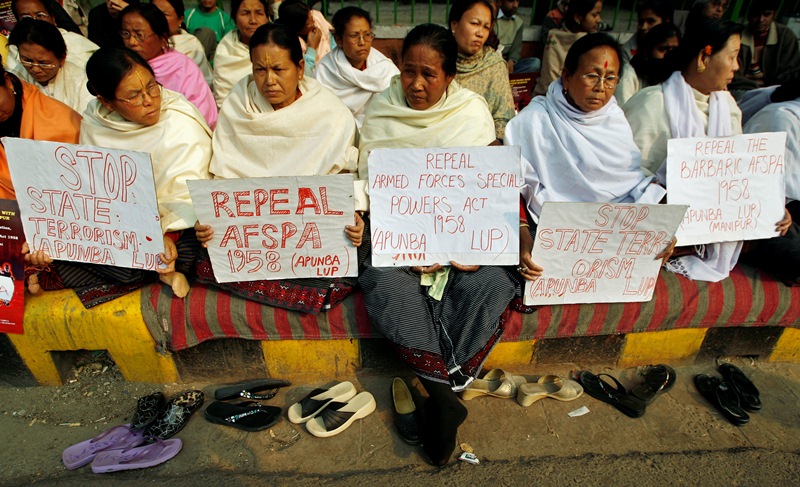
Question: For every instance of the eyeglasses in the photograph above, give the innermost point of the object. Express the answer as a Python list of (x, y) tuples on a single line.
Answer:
[(36, 15), (31, 64), (136, 35), (153, 91), (594, 79), (354, 38)]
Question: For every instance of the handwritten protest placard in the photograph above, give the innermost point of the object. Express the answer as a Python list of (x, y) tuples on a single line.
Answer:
[(734, 186), (277, 228), (436, 205), (12, 268), (600, 252), (87, 204)]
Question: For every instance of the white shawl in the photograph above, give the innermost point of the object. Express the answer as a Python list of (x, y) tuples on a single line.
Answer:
[(179, 146), (355, 87), (187, 44), (68, 86), (783, 117), (231, 63), (315, 135), (460, 118), (713, 262), (578, 156)]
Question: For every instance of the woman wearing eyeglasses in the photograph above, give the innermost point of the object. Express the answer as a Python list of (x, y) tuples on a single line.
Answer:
[(354, 71), (79, 48), (146, 31), (480, 68), (132, 111), (576, 138), (43, 63)]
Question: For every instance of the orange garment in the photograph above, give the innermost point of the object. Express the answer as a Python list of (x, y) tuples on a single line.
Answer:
[(43, 118)]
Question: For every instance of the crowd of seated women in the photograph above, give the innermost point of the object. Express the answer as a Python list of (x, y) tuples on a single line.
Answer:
[(300, 97)]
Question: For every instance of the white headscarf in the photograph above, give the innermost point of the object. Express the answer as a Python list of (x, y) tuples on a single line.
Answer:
[(713, 262), (578, 156), (355, 87)]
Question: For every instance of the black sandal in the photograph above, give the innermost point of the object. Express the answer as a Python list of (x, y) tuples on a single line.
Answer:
[(147, 410), (248, 389), (722, 396), (617, 396), (246, 416), (658, 379), (749, 398), (175, 415)]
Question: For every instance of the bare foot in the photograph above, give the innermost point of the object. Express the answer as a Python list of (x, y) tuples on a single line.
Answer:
[(178, 282), (33, 285)]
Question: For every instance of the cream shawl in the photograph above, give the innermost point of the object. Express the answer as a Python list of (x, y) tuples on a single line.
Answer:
[(578, 156), (179, 146), (231, 63), (713, 262), (355, 87), (79, 50), (187, 44), (460, 118), (315, 135), (783, 117), (68, 86)]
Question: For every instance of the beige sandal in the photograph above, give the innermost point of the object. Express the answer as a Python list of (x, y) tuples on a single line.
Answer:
[(551, 386), (495, 383)]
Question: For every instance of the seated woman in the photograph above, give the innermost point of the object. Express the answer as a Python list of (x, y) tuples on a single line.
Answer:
[(354, 71), (132, 111), (145, 30), (443, 338), (27, 113), (480, 68), (43, 63), (182, 41), (304, 130), (582, 17), (577, 139), (79, 48), (232, 57), (312, 28), (649, 66), (693, 103)]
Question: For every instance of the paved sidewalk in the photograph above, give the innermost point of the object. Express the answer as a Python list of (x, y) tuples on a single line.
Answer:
[(680, 441)]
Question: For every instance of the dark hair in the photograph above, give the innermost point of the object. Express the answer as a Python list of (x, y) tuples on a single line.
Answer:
[(461, 6), (700, 34), (150, 13), (235, 4), (578, 7), (756, 8), (57, 13), (654, 71), (108, 66), (662, 8), (586, 44), (178, 6), (39, 32), (277, 33), (437, 38), (294, 15), (345, 15)]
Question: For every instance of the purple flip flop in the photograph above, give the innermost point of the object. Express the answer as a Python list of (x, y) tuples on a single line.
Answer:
[(137, 457), (116, 438)]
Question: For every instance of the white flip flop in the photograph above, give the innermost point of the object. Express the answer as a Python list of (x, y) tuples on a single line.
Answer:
[(338, 416), (316, 400)]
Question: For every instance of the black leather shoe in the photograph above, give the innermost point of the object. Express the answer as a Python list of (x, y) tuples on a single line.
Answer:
[(405, 413), (748, 394)]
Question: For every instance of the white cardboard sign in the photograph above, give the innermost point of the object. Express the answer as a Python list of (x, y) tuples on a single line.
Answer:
[(600, 252), (277, 228), (89, 204), (439, 205), (734, 186)]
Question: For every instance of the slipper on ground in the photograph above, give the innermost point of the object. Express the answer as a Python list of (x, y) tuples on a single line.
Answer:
[(317, 399), (749, 397), (658, 379), (614, 394), (249, 389), (722, 396), (137, 457), (338, 416), (551, 386), (116, 438), (247, 418), (496, 383)]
